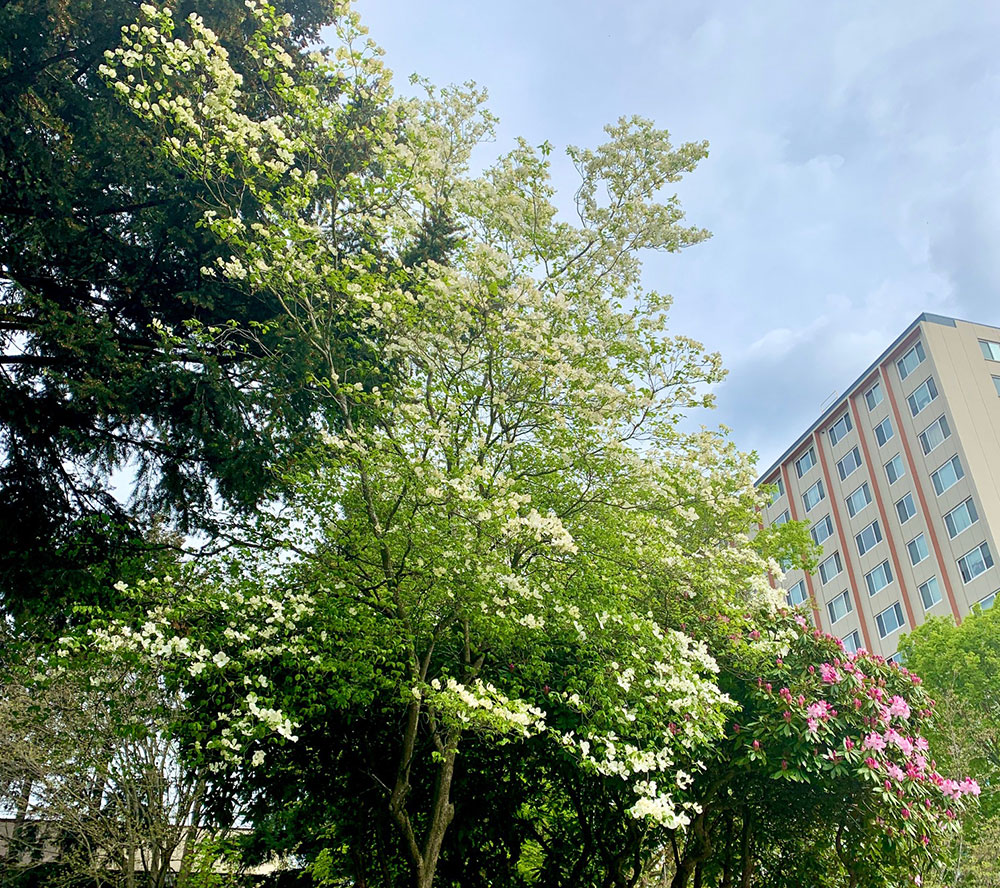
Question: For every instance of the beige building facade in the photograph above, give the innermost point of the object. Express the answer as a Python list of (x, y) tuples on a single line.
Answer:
[(900, 479)]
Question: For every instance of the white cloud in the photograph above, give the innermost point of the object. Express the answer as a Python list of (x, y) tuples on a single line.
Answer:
[(853, 173)]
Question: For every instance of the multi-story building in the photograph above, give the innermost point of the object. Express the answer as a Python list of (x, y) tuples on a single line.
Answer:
[(900, 479)]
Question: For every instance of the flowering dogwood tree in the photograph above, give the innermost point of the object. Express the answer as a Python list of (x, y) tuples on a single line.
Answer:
[(507, 547)]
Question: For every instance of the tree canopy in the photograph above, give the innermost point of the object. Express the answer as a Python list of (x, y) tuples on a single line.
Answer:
[(508, 622)]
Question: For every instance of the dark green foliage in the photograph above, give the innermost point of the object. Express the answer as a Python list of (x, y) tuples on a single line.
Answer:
[(116, 353)]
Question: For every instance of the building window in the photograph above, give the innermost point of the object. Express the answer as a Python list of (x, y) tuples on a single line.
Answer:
[(973, 563), (859, 499), (948, 475), (821, 530), (879, 578), (830, 567), (883, 431), (905, 509), (917, 547), (797, 594), (911, 360), (782, 519), (873, 397), (890, 620), (963, 516), (852, 642), (934, 434), (896, 658), (840, 428), (991, 350), (996, 384), (805, 462), (839, 607), (849, 463), (930, 593), (894, 469), (779, 490), (869, 538), (922, 395), (813, 496), (988, 602)]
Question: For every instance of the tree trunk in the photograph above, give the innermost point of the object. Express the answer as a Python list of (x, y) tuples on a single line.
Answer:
[(696, 850), (727, 862), (746, 850), (442, 813)]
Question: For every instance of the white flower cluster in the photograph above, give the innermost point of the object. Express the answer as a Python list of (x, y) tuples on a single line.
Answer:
[(480, 704)]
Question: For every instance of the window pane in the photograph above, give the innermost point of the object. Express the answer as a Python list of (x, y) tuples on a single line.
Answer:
[(805, 462), (839, 607), (905, 509), (894, 469), (930, 593), (879, 578), (961, 517), (889, 620), (991, 350), (849, 463), (859, 499), (869, 538), (922, 396), (883, 431), (813, 496), (910, 361), (917, 547), (934, 434), (840, 428), (797, 594), (829, 568), (822, 529), (973, 563), (852, 642), (873, 397), (946, 476)]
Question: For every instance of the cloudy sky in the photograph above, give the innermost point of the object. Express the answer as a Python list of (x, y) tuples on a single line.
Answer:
[(854, 173)]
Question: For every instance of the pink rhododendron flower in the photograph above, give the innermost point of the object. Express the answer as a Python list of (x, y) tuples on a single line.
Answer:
[(894, 771), (829, 673), (812, 725), (820, 709), (874, 741), (969, 786), (899, 707)]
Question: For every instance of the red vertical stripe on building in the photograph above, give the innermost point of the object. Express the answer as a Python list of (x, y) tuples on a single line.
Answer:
[(882, 513), (844, 541), (911, 467), (794, 513)]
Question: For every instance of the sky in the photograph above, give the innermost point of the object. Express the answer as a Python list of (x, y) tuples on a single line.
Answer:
[(853, 179)]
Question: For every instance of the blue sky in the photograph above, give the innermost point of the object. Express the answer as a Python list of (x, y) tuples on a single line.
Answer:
[(853, 179)]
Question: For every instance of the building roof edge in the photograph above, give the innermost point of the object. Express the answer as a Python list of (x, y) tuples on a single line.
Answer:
[(927, 317)]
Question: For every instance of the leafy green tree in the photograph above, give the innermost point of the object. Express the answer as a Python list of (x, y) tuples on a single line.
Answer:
[(116, 353), (961, 667), (90, 763), (502, 576)]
